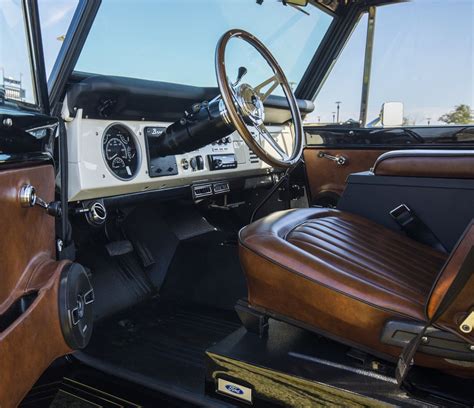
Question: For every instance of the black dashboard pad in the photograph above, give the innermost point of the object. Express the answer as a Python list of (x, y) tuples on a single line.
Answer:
[(120, 98)]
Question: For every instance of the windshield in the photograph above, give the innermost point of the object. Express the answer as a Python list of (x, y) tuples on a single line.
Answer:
[(174, 41)]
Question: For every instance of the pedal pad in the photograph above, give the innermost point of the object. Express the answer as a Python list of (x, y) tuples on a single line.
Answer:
[(144, 253), (118, 248)]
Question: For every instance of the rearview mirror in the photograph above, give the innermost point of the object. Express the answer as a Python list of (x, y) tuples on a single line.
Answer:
[(391, 114), (299, 3)]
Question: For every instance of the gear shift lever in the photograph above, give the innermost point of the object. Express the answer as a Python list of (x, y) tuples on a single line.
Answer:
[(240, 74)]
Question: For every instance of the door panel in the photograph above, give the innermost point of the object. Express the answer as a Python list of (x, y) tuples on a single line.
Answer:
[(326, 178), (30, 332), (362, 146), (23, 225)]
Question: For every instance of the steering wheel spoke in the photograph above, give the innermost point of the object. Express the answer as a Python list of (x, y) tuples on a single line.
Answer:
[(272, 84), (264, 132)]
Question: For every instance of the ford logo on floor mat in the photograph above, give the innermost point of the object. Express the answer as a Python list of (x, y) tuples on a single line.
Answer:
[(234, 389)]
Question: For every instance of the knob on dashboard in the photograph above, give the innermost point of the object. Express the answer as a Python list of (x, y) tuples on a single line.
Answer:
[(193, 163), (197, 163), (184, 164), (200, 162)]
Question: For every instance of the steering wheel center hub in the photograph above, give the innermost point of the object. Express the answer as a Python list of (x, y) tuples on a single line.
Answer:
[(250, 105)]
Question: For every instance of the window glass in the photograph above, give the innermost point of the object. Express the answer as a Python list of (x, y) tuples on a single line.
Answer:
[(15, 68), (175, 41), (344, 83), (423, 57), (55, 16)]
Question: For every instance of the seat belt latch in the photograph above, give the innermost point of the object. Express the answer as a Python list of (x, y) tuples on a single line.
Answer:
[(414, 227), (402, 215), (468, 323)]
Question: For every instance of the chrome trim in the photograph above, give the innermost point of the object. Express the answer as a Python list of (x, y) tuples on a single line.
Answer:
[(97, 213), (224, 114), (137, 144), (250, 105), (29, 198)]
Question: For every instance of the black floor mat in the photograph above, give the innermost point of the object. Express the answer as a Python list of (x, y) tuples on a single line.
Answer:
[(159, 344), (206, 270)]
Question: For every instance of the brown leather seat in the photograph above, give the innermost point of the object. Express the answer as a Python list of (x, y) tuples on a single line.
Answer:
[(338, 273)]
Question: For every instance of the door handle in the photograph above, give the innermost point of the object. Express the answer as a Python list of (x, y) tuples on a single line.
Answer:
[(340, 160), (29, 198)]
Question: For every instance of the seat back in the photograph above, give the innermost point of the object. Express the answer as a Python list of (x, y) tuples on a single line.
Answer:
[(451, 300)]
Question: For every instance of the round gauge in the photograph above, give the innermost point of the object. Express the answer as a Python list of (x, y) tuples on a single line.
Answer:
[(120, 150)]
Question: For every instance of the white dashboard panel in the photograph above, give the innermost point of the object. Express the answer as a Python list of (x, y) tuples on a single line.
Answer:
[(90, 177)]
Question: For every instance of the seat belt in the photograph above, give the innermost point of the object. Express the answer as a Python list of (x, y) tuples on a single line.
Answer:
[(414, 227), (406, 359)]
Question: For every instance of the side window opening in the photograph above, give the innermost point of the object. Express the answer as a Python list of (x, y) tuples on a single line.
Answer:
[(338, 101), (423, 58), (16, 80), (422, 69)]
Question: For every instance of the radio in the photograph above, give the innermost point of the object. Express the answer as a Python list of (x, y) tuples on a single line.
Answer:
[(222, 161)]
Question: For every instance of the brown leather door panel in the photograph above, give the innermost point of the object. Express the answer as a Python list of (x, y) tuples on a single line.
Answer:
[(326, 177), (33, 339)]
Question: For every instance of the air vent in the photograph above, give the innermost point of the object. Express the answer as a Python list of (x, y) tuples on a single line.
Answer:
[(253, 157), (96, 214), (202, 190)]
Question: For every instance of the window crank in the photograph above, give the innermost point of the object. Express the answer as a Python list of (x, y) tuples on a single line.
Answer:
[(339, 159), (29, 198)]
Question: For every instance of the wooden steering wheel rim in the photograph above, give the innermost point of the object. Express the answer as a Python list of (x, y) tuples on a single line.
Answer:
[(232, 111)]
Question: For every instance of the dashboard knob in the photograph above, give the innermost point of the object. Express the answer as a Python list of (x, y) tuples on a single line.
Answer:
[(193, 163), (185, 164), (200, 162)]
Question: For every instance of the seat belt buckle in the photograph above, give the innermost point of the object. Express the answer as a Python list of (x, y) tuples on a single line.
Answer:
[(402, 214)]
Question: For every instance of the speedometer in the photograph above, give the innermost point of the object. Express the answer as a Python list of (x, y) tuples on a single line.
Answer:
[(120, 151)]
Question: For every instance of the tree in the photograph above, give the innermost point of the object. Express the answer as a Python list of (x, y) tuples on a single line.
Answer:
[(460, 115)]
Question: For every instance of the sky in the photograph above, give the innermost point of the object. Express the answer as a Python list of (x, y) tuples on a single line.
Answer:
[(423, 51)]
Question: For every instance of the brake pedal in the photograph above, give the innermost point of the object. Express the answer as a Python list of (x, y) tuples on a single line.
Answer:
[(117, 248)]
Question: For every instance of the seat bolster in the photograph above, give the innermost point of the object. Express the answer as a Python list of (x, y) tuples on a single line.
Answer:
[(280, 223)]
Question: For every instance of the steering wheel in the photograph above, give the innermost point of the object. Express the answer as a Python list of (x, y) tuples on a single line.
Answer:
[(244, 109)]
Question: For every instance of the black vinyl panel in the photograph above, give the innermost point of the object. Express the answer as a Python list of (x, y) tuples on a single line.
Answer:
[(421, 136), (444, 205), (25, 136), (121, 98)]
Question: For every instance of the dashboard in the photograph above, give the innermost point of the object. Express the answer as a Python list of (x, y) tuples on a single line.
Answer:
[(114, 157), (113, 125)]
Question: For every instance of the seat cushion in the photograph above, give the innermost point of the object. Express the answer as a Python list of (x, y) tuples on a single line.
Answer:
[(337, 272)]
